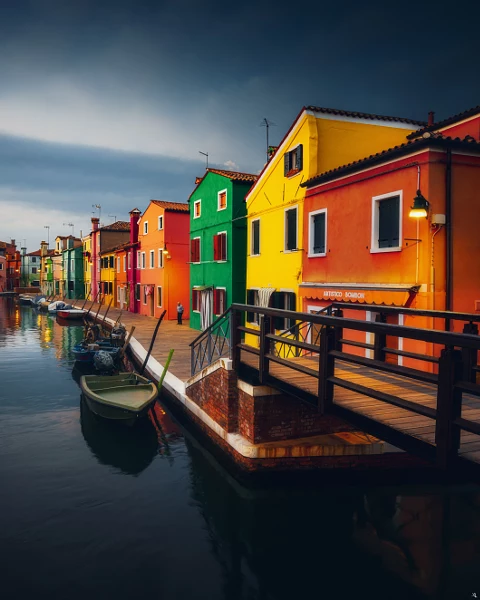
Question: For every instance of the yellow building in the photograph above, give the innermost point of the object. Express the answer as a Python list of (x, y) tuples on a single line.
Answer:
[(319, 140), (87, 266), (108, 288)]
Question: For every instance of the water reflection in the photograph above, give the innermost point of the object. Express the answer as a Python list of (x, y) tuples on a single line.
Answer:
[(128, 450)]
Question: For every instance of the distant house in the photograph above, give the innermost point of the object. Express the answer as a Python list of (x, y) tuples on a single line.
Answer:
[(3, 267), (72, 267), (30, 269), (107, 282), (121, 276), (217, 244), (13, 265), (162, 259)]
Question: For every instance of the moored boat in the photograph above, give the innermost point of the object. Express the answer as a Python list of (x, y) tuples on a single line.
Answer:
[(84, 352), (125, 397), (71, 313), (53, 307)]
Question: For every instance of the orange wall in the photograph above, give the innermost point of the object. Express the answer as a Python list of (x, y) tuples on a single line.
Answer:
[(173, 278), (471, 127)]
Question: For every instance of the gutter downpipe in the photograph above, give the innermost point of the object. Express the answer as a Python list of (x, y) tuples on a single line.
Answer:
[(449, 237)]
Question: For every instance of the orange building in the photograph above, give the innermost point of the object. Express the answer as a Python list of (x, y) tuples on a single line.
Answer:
[(121, 257), (163, 259), (363, 246)]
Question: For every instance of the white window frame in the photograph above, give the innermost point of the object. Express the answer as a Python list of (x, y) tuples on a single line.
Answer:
[(199, 203), (374, 249), (160, 222), (285, 229), (145, 228), (251, 237), (159, 287), (138, 260), (144, 260), (225, 307), (311, 252), (152, 259), (160, 258), (129, 259), (119, 264), (222, 260), (124, 263), (197, 310), (118, 295), (218, 199)]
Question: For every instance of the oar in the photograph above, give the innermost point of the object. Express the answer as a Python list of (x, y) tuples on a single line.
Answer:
[(152, 342), (105, 316), (86, 299), (93, 303), (127, 341), (165, 369)]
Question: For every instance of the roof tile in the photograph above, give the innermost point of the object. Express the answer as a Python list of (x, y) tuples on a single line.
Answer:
[(117, 226), (172, 206), (361, 115), (449, 121)]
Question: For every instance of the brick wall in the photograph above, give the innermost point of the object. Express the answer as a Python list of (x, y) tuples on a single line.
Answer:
[(281, 417), (216, 394)]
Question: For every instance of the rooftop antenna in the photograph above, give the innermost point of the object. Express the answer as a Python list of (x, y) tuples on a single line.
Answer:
[(204, 154), (99, 210), (266, 123), (114, 218), (69, 225)]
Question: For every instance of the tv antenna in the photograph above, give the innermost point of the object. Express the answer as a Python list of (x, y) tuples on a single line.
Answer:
[(99, 210), (266, 123), (69, 225), (114, 218), (206, 155)]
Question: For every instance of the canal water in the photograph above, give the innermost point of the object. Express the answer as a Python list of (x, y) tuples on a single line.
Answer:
[(90, 510)]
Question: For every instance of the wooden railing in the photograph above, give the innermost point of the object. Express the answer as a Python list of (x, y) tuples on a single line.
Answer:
[(455, 365)]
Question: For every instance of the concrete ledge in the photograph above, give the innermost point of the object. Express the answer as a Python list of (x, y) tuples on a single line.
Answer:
[(257, 390), (224, 363)]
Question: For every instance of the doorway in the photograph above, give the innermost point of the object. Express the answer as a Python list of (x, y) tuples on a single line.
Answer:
[(206, 308)]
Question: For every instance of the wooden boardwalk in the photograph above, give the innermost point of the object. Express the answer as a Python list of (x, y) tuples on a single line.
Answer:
[(170, 335), (400, 419)]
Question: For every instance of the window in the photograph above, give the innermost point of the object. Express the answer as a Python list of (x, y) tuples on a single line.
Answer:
[(145, 228), (145, 294), (118, 264), (71, 286), (1, 266), (196, 300), (129, 259), (222, 200), (252, 299), (143, 260), (291, 229), (137, 291), (160, 225), (386, 222), (34, 270), (152, 259), (317, 233), (197, 209), (138, 259), (220, 246), (195, 250), (160, 258), (125, 263), (159, 296), (285, 301), (293, 161), (255, 247), (219, 301), (34, 260)]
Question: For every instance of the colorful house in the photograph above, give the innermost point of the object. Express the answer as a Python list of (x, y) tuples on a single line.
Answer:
[(3, 267), (72, 267), (364, 246), (320, 139), (87, 267), (13, 265), (101, 239), (108, 276), (30, 269), (217, 244), (162, 258), (121, 258), (46, 272)]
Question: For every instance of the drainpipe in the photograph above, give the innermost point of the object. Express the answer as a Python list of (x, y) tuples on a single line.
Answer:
[(449, 237)]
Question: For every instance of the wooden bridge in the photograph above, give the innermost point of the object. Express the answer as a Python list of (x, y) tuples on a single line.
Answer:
[(432, 411)]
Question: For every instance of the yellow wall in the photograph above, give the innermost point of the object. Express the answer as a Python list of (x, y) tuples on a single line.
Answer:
[(109, 274), (327, 144)]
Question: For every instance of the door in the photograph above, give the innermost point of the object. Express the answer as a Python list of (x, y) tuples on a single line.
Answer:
[(121, 297), (206, 308)]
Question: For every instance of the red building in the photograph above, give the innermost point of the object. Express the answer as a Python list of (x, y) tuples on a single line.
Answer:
[(13, 266)]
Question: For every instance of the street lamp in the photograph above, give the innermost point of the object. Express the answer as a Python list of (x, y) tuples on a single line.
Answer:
[(419, 207)]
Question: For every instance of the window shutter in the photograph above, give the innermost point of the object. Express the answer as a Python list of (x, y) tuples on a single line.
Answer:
[(277, 301), (256, 237), (215, 302), (251, 301), (319, 233), (291, 305), (195, 250), (388, 222), (216, 244), (194, 299), (300, 157), (222, 301), (223, 246), (286, 163)]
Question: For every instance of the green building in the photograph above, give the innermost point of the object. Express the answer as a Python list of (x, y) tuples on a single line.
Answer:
[(72, 268), (218, 244)]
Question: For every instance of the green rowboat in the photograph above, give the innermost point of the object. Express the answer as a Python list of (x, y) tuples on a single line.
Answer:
[(124, 397)]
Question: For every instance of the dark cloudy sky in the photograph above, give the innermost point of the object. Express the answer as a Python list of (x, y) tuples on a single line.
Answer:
[(108, 102)]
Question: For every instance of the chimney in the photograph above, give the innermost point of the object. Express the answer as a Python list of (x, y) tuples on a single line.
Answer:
[(43, 248), (12, 242), (24, 251), (198, 180), (134, 217), (95, 222), (431, 118)]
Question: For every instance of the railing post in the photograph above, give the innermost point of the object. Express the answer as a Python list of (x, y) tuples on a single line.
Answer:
[(469, 355), (449, 406), (192, 360), (235, 338), (263, 362), (326, 369), (338, 312), (380, 340)]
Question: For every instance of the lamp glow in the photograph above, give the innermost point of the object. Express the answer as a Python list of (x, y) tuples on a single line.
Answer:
[(419, 207)]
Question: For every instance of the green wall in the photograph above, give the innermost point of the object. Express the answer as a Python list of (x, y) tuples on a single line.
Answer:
[(230, 274)]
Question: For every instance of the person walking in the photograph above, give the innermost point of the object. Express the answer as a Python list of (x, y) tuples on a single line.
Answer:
[(180, 310)]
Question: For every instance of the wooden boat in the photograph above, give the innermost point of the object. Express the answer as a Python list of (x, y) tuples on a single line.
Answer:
[(71, 313), (125, 397), (85, 352)]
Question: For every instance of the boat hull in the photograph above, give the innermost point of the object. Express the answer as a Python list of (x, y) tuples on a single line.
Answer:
[(73, 314), (85, 355)]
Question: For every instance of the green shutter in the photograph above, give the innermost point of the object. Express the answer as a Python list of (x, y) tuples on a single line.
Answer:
[(389, 222), (256, 237), (300, 157), (291, 229), (286, 163)]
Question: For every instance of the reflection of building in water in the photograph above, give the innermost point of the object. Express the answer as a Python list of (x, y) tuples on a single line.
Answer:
[(430, 541), (64, 338)]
